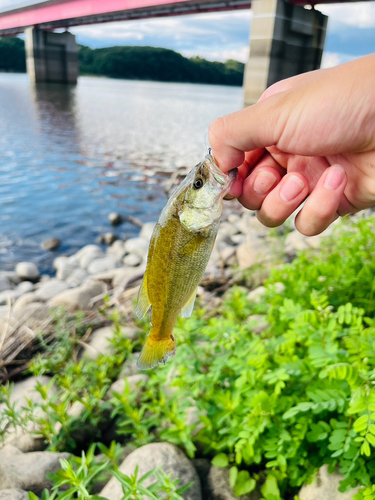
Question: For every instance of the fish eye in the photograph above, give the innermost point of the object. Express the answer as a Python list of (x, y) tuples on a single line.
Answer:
[(198, 183)]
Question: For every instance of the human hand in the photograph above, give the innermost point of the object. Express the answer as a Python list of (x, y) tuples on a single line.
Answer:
[(311, 135)]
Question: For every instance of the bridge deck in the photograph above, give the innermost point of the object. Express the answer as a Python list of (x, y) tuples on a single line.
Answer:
[(52, 14)]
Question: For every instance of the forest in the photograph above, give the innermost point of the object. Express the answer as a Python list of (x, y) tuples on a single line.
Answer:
[(135, 63)]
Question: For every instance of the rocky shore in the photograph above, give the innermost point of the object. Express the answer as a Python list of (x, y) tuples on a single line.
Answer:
[(81, 283)]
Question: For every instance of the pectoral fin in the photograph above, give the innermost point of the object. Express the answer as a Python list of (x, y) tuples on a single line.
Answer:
[(143, 303), (187, 310)]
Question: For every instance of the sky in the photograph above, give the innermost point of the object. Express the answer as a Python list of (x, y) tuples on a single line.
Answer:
[(225, 35)]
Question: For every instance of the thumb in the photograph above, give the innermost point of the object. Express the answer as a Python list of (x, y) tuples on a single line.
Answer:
[(258, 126)]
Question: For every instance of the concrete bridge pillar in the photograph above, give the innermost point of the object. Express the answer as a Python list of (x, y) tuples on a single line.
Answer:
[(51, 57), (285, 40)]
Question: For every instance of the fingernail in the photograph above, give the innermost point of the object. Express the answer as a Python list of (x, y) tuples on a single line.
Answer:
[(334, 177), (292, 187), (264, 181)]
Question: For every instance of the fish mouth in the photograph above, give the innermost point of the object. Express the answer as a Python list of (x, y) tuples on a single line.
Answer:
[(223, 179)]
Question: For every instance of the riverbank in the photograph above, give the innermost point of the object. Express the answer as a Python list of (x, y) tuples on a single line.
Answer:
[(247, 358), (135, 63)]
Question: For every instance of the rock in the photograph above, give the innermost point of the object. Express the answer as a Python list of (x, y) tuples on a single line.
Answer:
[(27, 271), (28, 470), (315, 241), (117, 250), (4, 283), (87, 254), (132, 260), (77, 277), (32, 314), (228, 229), (128, 274), (220, 489), (325, 487), (202, 466), (115, 219), (129, 367), (295, 241), (101, 265), (258, 323), (228, 255), (65, 267), (11, 276), (51, 244), (50, 289), (108, 238), (99, 342), (57, 260), (22, 301), (25, 390), (25, 287), (135, 384), (252, 252), (137, 246), (14, 494), (251, 227), (9, 295), (256, 295), (277, 287), (164, 455), (79, 298), (147, 230)]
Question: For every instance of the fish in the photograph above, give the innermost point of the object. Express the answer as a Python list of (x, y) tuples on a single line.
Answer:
[(179, 251)]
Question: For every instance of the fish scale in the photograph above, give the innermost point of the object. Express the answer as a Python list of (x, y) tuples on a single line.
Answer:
[(180, 248)]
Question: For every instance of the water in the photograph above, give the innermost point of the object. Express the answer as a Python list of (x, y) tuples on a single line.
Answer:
[(71, 155)]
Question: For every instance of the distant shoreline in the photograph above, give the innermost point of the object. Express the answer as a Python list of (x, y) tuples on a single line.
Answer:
[(134, 63)]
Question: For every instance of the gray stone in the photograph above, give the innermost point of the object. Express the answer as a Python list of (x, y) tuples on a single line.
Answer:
[(108, 238), (129, 367), (228, 229), (257, 294), (77, 277), (27, 271), (251, 227), (295, 241), (4, 282), (99, 342), (132, 260), (51, 244), (25, 287), (147, 230), (101, 265), (14, 494), (28, 470), (220, 489), (79, 298), (137, 246), (251, 252), (65, 267), (11, 276), (315, 241), (50, 289), (22, 301), (325, 487), (164, 455), (24, 390), (258, 323), (87, 254), (32, 314), (115, 219), (57, 260), (9, 295), (117, 250), (135, 384), (127, 274)]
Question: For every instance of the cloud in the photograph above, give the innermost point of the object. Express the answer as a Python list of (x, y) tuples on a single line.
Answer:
[(342, 16), (331, 59), (215, 36)]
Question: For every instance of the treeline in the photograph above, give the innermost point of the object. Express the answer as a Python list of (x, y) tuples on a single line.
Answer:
[(12, 55), (164, 65), (135, 63)]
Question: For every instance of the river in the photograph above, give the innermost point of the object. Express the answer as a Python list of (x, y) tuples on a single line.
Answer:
[(70, 155)]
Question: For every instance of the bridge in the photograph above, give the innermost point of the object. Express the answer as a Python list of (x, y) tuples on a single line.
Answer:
[(286, 39)]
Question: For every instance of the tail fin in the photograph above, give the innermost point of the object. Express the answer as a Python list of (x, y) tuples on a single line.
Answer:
[(156, 351)]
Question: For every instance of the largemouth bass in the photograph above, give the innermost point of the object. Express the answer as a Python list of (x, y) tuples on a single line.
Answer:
[(180, 247)]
